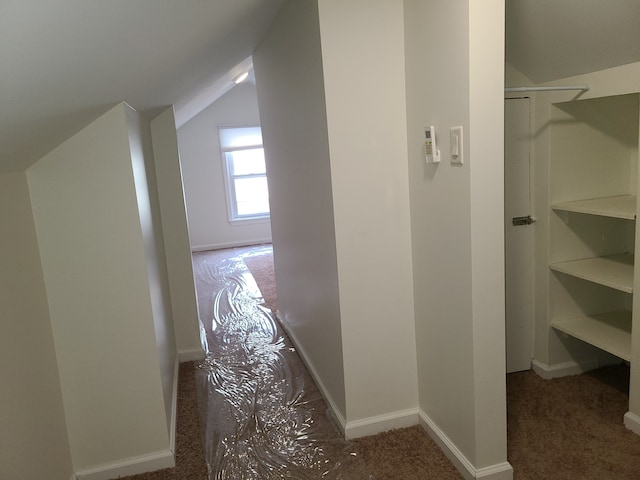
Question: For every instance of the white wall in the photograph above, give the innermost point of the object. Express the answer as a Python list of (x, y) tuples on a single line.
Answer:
[(440, 215), (33, 442), (366, 120), (175, 233), (515, 78), (459, 276), (96, 275), (456, 211), (340, 160), (486, 164), (457, 230), (288, 68), (553, 40), (203, 174), (144, 175)]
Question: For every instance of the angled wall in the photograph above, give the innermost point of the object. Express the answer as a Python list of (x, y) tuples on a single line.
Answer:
[(336, 156), (147, 195), (33, 442), (175, 234), (364, 77), (288, 67), (93, 242)]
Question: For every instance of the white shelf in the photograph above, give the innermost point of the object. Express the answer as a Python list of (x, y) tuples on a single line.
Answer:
[(623, 206), (610, 332), (615, 271)]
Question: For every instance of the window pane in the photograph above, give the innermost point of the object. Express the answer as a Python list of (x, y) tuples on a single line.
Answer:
[(246, 162), (252, 196), (240, 137)]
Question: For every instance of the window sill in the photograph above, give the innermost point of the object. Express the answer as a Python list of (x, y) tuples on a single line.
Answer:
[(237, 222)]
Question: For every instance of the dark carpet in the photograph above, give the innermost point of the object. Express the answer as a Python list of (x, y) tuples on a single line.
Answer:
[(566, 428), (571, 427)]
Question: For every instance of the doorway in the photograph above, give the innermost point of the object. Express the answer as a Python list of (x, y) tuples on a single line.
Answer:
[(519, 236)]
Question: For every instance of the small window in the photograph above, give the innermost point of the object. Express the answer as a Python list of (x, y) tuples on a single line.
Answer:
[(244, 165)]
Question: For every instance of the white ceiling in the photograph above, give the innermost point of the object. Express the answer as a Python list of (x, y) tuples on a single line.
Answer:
[(65, 62), (551, 39)]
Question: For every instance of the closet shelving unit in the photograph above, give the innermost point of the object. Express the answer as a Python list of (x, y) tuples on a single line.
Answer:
[(620, 206), (609, 331), (593, 185)]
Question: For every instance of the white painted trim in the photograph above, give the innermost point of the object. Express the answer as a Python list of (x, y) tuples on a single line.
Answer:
[(130, 466), (563, 369), (381, 423), (219, 246), (190, 355), (500, 471), (335, 412), (449, 448), (632, 422), (143, 463), (357, 428), (173, 427), (239, 222)]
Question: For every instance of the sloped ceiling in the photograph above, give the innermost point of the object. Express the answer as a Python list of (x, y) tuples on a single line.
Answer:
[(65, 62), (551, 39)]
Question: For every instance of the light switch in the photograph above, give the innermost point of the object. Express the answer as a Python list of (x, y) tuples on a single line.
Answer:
[(456, 146)]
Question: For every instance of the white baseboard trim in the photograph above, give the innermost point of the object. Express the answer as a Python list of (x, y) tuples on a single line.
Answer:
[(452, 452), (143, 463), (130, 466), (501, 471), (173, 426), (563, 369), (381, 423), (219, 246), (632, 422), (335, 412), (357, 428), (190, 355)]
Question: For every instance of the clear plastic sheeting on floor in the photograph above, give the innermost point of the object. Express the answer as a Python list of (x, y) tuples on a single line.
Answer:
[(263, 416)]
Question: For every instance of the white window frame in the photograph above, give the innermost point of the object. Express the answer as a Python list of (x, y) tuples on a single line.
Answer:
[(230, 195)]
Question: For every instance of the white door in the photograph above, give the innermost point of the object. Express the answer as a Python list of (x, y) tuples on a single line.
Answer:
[(519, 241)]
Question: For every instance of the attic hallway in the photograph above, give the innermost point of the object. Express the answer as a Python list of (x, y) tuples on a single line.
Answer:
[(262, 417)]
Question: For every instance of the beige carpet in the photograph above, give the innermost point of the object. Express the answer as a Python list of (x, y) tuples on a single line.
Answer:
[(261, 267)]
